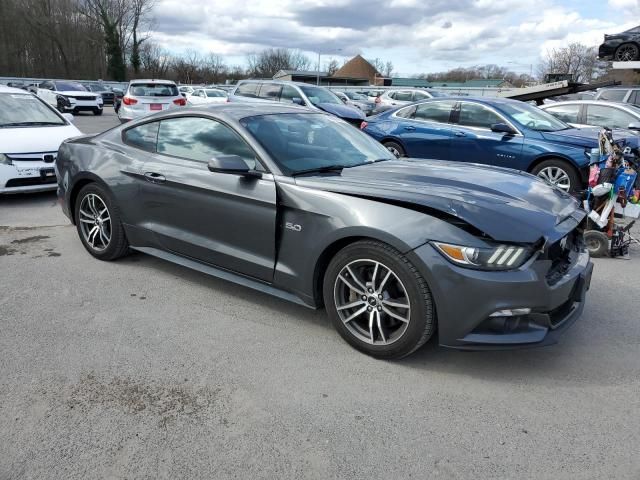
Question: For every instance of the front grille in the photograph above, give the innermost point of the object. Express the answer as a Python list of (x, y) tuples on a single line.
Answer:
[(30, 181), (47, 157), (77, 97)]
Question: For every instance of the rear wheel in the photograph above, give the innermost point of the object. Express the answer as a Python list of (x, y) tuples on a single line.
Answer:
[(627, 52), (559, 173), (98, 223), (395, 148), (378, 301)]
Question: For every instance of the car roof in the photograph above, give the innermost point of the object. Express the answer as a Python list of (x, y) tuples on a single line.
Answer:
[(281, 82), (151, 80), (585, 102), (5, 89)]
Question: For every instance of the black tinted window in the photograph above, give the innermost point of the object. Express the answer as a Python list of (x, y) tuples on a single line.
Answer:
[(270, 91), (200, 139), (434, 111), (613, 95), (143, 137), (153, 90), (475, 115), (566, 113), (248, 90)]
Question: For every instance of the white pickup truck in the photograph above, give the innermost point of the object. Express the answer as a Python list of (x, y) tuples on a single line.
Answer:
[(69, 96)]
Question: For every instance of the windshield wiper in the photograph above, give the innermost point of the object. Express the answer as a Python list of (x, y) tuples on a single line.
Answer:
[(327, 168), (28, 124)]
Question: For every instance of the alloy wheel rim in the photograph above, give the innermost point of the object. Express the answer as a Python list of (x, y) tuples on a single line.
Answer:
[(95, 222), (394, 150), (372, 302), (627, 53), (556, 176)]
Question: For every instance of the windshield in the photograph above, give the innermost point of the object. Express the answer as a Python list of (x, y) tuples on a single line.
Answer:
[(69, 87), (23, 110), (435, 94), (153, 90), (303, 141), (532, 117), (355, 96), (96, 87), (215, 93), (318, 95)]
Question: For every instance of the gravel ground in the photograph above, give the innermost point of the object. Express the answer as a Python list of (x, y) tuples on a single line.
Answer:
[(144, 369)]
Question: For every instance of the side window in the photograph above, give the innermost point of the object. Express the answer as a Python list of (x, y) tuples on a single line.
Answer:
[(403, 96), (417, 96), (288, 94), (475, 115), (143, 137), (615, 95), (200, 139), (566, 113), (634, 98), (392, 95), (270, 91), (604, 116), (407, 112), (248, 90), (434, 111)]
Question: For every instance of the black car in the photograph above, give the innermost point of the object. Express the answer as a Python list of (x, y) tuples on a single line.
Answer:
[(621, 47), (106, 93), (299, 204)]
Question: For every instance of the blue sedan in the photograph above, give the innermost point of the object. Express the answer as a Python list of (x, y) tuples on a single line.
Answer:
[(494, 131)]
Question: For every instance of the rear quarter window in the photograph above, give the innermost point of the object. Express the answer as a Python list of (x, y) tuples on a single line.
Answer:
[(613, 95), (248, 90), (144, 137)]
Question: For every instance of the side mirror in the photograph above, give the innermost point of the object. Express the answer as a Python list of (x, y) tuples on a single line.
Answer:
[(68, 117), (634, 126), (502, 128), (298, 101), (231, 164)]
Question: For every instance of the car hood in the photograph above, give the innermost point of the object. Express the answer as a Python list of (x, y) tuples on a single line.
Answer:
[(588, 136), (77, 93), (507, 205), (35, 139), (342, 111)]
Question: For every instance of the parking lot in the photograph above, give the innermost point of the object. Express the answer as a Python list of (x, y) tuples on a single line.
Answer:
[(144, 369)]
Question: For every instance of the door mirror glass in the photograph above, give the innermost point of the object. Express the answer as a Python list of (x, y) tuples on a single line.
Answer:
[(502, 128), (228, 164), (634, 126)]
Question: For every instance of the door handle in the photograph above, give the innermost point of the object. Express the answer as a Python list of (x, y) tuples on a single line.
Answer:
[(461, 134), (154, 177), (410, 128)]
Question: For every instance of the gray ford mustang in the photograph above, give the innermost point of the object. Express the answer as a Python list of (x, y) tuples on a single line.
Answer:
[(301, 205)]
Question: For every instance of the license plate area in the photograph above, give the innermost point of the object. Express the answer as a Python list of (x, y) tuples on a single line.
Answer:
[(47, 173), (155, 106)]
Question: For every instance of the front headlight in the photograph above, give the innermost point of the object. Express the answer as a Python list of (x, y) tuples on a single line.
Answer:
[(500, 257), (4, 160)]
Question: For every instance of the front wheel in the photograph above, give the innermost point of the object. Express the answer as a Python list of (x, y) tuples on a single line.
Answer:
[(378, 301), (395, 148), (559, 173), (97, 111), (627, 52), (98, 223)]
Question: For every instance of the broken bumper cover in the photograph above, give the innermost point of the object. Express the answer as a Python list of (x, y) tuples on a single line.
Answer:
[(473, 306)]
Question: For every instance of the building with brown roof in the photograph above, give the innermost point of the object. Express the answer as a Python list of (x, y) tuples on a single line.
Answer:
[(358, 67)]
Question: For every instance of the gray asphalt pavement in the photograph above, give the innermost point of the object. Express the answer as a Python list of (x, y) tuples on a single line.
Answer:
[(143, 369)]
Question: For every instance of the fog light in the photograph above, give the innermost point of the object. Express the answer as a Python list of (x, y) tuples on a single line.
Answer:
[(514, 312)]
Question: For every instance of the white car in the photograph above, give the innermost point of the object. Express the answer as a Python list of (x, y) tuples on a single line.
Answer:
[(31, 132), (144, 97), (69, 96), (203, 96), (395, 98)]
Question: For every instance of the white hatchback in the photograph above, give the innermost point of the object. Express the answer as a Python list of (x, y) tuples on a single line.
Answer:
[(31, 132), (144, 97)]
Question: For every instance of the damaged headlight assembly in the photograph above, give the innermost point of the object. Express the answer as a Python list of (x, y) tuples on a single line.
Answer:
[(500, 257)]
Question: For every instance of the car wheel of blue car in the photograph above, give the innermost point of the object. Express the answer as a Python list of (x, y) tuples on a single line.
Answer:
[(559, 173), (395, 148), (378, 301)]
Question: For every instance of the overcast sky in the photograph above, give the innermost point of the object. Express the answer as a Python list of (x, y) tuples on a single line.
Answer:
[(416, 35)]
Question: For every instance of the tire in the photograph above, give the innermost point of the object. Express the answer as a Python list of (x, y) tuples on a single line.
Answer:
[(565, 174), (395, 148), (97, 111), (94, 198), (366, 324), (597, 243), (627, 52)]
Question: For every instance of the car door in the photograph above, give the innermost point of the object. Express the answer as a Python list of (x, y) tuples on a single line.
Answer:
[(608, 116), (220, 219), (473, 140), (425, 129)]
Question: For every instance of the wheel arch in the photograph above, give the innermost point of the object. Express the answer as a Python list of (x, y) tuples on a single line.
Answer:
[(80, 181)]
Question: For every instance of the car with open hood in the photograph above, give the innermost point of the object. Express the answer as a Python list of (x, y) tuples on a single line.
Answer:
[(31, 132), (68, 96), (303, 94), (298, 204)]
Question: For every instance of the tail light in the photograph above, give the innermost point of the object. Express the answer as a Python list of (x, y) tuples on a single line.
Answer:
[(181, 102), (378, 100), (129, 101), (363, 125)]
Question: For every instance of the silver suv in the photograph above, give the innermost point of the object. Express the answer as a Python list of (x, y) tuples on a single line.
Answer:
[(620, 94), (144, 97)]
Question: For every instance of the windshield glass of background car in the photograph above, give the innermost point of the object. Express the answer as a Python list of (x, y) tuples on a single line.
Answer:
[(215, 93), (320, 95), (19, 108), (306, 141), (532, 117), (70, 87), (154, 90)]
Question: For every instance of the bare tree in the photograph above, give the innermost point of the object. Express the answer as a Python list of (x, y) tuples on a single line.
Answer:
[(576, 59), (140, 11), (377, 64), (271, 60), (388, 69), (332, 67)]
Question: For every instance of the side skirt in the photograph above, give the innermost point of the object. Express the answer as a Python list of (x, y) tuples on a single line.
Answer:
[(224, 275)]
